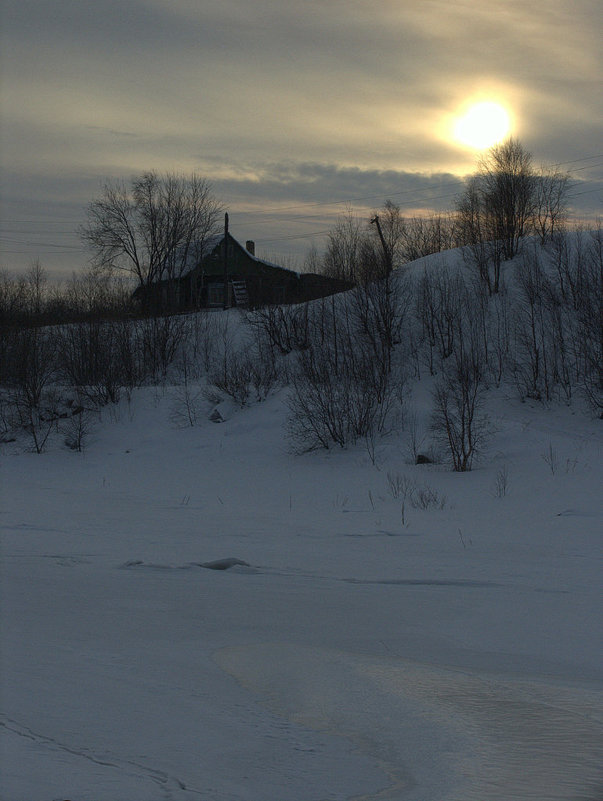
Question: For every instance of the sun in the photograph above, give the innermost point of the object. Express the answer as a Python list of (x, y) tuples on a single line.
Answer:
[(482, 125)]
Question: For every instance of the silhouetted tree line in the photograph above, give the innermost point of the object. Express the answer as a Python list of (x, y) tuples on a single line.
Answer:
[(155, 228), (506, 200), (31, 300), (541, 332), (346, 359)]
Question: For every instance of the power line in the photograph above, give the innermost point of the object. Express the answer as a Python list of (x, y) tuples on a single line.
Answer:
[(275, 213), (293, 236), (576, 161), (581, 169), (586, 192), (41, 244)]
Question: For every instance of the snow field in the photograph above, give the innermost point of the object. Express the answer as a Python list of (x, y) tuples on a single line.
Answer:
[(453, 654)]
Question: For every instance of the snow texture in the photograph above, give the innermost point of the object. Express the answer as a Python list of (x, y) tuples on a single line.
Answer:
[(348, 651)]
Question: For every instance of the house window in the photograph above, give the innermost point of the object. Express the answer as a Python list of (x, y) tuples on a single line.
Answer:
[(215, 294)]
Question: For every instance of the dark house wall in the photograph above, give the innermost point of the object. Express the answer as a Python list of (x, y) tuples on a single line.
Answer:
[(265, 282)]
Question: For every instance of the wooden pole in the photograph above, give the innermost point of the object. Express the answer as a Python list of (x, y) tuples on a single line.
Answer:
[(225, 260), (387, 255)]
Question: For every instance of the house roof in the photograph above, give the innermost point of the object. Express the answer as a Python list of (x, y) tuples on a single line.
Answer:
[(196, 254), (215, 241)]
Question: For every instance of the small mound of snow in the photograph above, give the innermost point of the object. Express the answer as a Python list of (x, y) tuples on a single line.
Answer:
[(223, 564)]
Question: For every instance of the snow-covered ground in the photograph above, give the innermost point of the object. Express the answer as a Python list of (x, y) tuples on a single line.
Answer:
[(364, 651)]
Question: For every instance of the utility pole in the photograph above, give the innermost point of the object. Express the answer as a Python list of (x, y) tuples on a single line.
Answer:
[(386, 254), (225, 260), (387, 332)]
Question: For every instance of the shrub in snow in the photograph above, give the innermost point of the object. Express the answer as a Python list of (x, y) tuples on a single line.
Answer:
[(243, 375), (29, 401), (346, 386), (458, 421), (89, 359), (286, 328), (328, 408), (162, 338), (187, 397), (78, 427)]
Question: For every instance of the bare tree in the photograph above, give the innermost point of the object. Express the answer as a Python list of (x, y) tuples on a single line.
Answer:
[(440, 297), (155, 228), (30, 370), (162, 338), (336, 407), (586, 278), (89, 360), (345, 387), (422, 236), (458, 421), (24, 298), (498, 207), (507, 182), (188, 397), (550, 211), (313, 260), (285, 327), (246, 373), (77, 427), (36, 279), (557, 322), (13, 301), (379, 310), (478, 225), (96, 293), (347, 245), (591, 321)]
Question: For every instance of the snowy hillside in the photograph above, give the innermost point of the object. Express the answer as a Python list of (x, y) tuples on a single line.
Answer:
[(391, 630)]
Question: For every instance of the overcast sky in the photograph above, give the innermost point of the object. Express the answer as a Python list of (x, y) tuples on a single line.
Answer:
[(292, 108)]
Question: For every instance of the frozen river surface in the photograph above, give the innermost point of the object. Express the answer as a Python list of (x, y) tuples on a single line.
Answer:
[(452, 656)]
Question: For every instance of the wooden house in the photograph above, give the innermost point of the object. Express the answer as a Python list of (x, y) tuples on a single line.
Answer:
[(250, 282)]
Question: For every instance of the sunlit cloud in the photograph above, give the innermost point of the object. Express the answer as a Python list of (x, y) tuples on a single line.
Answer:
[(232, 88)]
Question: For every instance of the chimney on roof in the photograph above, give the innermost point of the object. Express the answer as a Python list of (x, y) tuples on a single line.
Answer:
[(250, 246)]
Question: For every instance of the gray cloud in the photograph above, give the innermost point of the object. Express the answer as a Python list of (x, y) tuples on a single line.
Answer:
[(333, 184), (283, 102)]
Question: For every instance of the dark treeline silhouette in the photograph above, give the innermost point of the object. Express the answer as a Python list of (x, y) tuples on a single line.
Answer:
[(347, 360), (152, 230), (506, 200)]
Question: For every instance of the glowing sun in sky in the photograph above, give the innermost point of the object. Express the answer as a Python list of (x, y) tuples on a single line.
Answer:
[(482, 125)]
